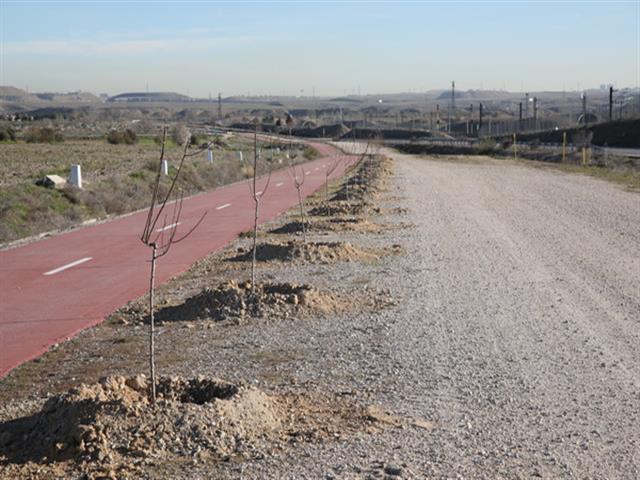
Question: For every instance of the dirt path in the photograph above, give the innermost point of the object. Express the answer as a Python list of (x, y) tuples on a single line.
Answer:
[(517, 335), (526, 302)]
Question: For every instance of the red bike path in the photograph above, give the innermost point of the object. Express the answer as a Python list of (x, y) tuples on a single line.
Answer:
[(53, 288)]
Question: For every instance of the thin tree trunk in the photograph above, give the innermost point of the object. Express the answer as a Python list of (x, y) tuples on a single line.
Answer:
[(256, 200), (304, 229), (152, 353), (346, 185), (326, 186), (255, 240)]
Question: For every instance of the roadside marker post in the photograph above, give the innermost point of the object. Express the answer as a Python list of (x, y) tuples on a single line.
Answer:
[(564, 147), (75, 176), (515, 148), (209, 155)]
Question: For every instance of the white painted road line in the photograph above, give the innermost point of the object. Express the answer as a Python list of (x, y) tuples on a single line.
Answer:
[(223, 206), (279, 184), (259, 192), (168, 227), (307, 173), (68, 265)]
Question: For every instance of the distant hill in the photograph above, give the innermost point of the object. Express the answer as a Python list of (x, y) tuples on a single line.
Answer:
[(70, 97), (13, 100), (476, 95), (13, 94)]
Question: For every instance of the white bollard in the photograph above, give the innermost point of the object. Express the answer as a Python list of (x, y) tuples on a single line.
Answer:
[(165, 167), (209, 156), (75, 176), (240, 155)]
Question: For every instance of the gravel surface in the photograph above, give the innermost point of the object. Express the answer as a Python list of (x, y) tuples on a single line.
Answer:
[(517, 333), (513, 346)]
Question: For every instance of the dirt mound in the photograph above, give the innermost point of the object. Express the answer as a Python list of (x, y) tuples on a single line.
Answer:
[(292, 227), (337, 224), (339, 208), (113, 423), (358, 193), (354, 224), (369, 180), (110, 429), (235, 301), (312, 252)]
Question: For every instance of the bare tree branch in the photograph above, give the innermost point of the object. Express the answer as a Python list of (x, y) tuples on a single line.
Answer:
[(158, 240)]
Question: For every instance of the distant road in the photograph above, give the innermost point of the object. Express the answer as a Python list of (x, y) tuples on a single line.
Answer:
[(622, 152), (53, 288)]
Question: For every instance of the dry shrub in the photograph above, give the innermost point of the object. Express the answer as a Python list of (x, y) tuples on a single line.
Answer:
[(43, 135), (127, 137)]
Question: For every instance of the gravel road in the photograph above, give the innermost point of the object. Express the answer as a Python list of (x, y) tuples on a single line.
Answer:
[(517, 334)]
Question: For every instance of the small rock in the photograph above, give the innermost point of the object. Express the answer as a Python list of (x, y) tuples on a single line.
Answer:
[(139, 382), (393, 470)]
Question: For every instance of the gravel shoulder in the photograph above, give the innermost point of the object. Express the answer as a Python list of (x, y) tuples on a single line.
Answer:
[(512, 339)]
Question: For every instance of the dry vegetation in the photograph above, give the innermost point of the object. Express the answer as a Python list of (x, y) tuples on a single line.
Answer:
[(117, 180)]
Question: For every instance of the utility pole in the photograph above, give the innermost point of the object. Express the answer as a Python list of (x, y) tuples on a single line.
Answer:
[(452, 104), (453, 94), (519, 115), (610, 103), (219, 106), (620, 110), (480, 119), (535, 113), (584, 108)]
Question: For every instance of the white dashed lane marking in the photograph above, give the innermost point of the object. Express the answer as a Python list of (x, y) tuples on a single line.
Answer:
[(68, 265), (168, 227)]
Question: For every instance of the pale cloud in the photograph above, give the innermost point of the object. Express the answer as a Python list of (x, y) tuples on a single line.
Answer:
[(118, 47)]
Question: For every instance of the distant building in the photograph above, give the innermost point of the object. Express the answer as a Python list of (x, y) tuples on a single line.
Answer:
[(149, 97)]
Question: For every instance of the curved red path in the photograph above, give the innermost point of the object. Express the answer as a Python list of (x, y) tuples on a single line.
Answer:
[(38, 310)]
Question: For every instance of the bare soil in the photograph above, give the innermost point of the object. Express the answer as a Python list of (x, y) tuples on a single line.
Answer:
[(312, 252), (238, 301), (111, 429)]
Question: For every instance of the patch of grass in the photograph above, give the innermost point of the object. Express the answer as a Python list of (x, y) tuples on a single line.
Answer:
[(139, 175), (310, 153), (626, 177), (146, 141), (27, 209)]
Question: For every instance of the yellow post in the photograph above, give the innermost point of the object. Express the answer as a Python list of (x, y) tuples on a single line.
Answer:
[(515, 148), (584, 156), (564, 147)]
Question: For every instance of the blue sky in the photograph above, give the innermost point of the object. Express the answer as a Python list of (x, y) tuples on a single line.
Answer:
[(327, 47)]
